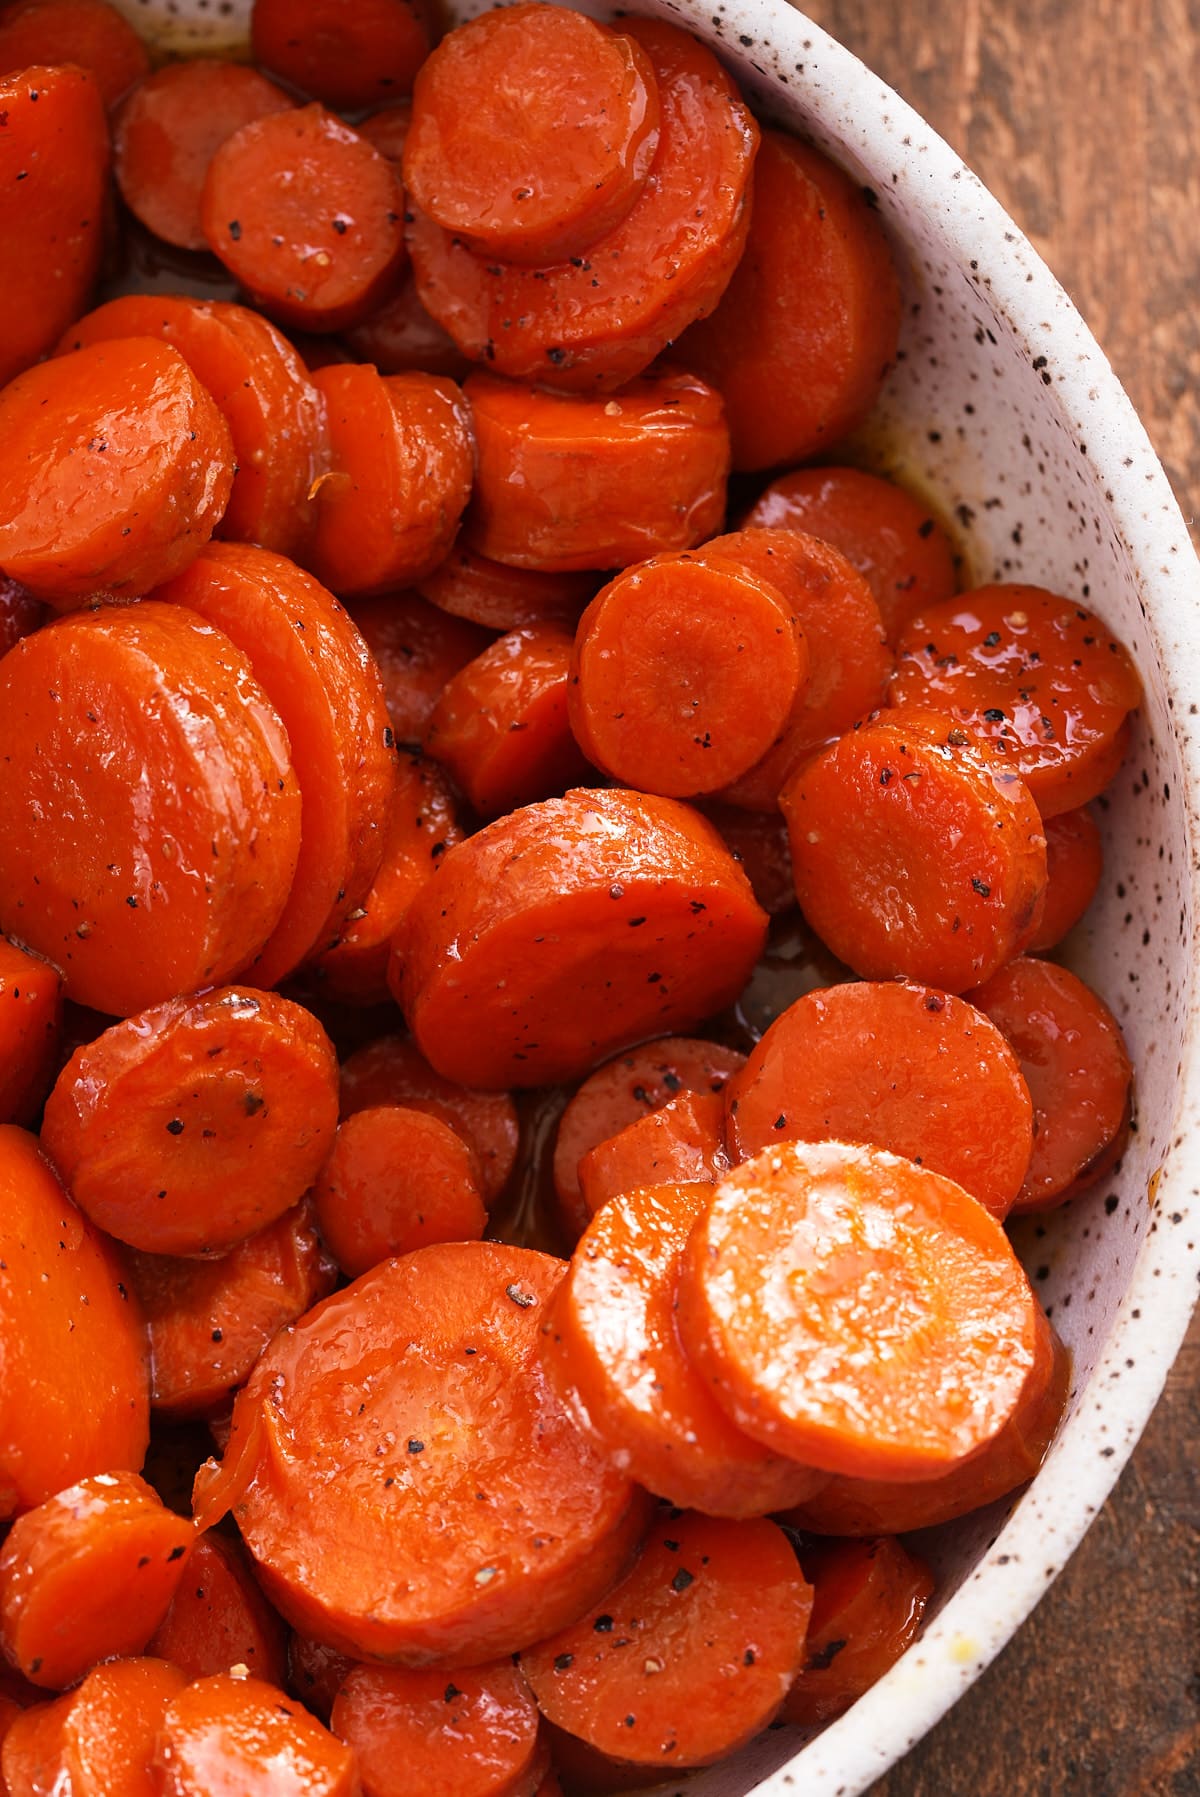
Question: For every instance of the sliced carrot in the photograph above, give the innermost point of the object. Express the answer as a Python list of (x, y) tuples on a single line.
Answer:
[(186, 1128), (1037, 674), (557, 935), (98, 1740), (504, 598), (20, 614), (88, 33), (916, 851), (1077, 1067), (472, 1734), (402, 463), (868, 1601), (400, 337), (686, 669), (759, 840), (219, 1618), (712, 1606), (308, 217), (392, 1071), (30, 1030), (118, 467), (891, 1065), (600, 320), (500, 726), (388, 129), (890, 535), (683, 1142), (586, 1773), (316, 1673), (317, 672), (566, 481), (232, 1733), (417, 649), (807, 330), (365, 1436), (346, 56), (857, 1312), (611, 1348), (1074, 863)]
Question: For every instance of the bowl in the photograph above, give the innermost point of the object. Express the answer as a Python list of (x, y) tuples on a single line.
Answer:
[(1004, 409)]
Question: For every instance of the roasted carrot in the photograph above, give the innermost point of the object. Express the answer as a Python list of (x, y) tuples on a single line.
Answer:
[(400, 337), (1037, 674), (88, 33), (118, 467), (346, 56), (233, 1733), (759, 840), (470, 1734), (417, 649), (316, 1673), (20, 614), (809, 1268), (504, 598), (30, 1030), (868, 1601), (1074, 863), (186, 1128), (96, 1741), (559, 934), (712, 1606), (388, 129), (683, 1142), (566, 481), (802, 339), (219, 1618), (1077, 1068)]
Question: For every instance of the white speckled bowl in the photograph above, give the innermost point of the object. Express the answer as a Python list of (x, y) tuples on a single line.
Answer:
[(1004, 408)]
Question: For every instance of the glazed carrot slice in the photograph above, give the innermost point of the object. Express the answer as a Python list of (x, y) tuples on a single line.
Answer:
[(566, 482), (347, 57), (454, 1395), (868, 1601), (612, 1350), (88, 1575), (916, 851), (474, 1734), (30, 1030), (118, 467), (20, 614), (308, 217), (759, 840), (418, 649), (399, 337), (586, 1773), (121, 905), (422, 825), (891, 1065), (75, 1395), (96, 1741), (606, 915), (808, 327), (1037, 674), (504, 598), (219, 1618), (316, 1673), (317, 672), (683, 1142), (1074, 863), (686, 670), (533, 131), (890, 535), (170, 128), (88, 33), (402, 464), (232, 1733), (209, 1320), (858, 1312), (598, 321), (712, 1606), (1077, 1067), (188, 1127), (388, 129), (392, 1071), (52, 222), (500, 726)]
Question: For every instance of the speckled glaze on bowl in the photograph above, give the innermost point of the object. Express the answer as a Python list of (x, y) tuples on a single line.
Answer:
[(1004, 409)]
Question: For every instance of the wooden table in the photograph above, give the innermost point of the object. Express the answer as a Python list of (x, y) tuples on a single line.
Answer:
[(1082, 116)]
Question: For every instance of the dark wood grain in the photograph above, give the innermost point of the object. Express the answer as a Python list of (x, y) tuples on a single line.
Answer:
[(1083, 117)]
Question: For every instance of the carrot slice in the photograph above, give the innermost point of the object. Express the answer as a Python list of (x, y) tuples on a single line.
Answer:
[(388, 129), (868, 1601), (1036, 674), (533, 131), (597, 322), (808, 327), (186, 1128), (118, 905), (612, 1350), (586, 1773), (98, 1740), (505, 598), (916, 851), (20, 614), (219, 1618), (30, 1030), (392, 1071), (889, 534), (236, 1733), (1077, 1067), (209, 1320), (712, 1606), (562, 932), (316, 1673), (88, 1575), (474, 1734), (500, 725), (315, 669), (759, 840), (682, 1143), (454, 1396), (418, 650), (567, 482), (118, 467), (686, 669), (88, 33), (1074, 863), (308, 217), (347, 57), (897, 1066), (399, 336)]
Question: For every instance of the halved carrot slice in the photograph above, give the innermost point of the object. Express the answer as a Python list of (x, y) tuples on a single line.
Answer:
[(472, 1734), (868, 1601), (97, 1740), (682, 1143), (30, 1028), (219, 1618), (236, 1733)]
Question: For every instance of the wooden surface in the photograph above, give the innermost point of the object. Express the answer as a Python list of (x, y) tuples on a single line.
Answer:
[(1083, 117)]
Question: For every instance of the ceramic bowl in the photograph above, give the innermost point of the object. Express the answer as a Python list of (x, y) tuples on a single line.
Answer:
[(1004, 410)]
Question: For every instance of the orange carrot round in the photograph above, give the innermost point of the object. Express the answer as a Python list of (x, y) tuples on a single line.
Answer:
[(236, 1733), (346, 57), (219, 1618), (97, 1740), (91, 34), (868, 1601), (681, 1143), (388, 128), (316, 1673), (1074, 863), (472, 1734), (504, 598), (759, 840), (30, 1029), (418, 649)]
